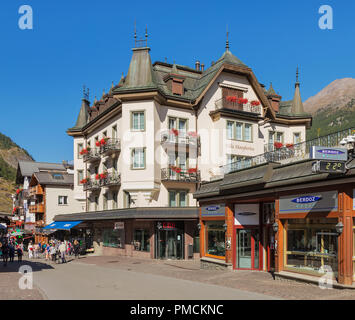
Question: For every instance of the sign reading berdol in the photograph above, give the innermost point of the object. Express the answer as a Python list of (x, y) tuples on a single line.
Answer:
[(305, 203)]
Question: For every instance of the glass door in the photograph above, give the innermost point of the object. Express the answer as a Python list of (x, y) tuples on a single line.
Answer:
[(248, 248), (170, 244)]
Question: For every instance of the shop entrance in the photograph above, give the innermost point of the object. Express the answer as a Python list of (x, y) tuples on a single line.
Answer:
[(248, 249), (169, 241)]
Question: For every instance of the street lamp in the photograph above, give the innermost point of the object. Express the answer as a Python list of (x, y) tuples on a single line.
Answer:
[(275, 227), (339, 228), (199, 226), (225, 227)]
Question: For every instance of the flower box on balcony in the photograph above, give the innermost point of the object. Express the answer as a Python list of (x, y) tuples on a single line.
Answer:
[(290, 145), (175, 132), (278, 145), (192, 170), (98, 144), (255, 103)]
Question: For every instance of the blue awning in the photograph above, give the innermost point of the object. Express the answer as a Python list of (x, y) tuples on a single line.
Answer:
[(62, 225)]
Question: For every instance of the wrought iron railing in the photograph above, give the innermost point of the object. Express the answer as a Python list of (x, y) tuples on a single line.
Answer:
[(182, 175), (91, 185), (290, 153), (248, 107), (112, 179), (180, 137), (111, 146), (92, 155)]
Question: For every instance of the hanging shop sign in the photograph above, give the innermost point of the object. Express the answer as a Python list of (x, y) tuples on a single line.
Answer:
[(308, 203), (217, 210), (119, 225), (324, 153), (246, 214)]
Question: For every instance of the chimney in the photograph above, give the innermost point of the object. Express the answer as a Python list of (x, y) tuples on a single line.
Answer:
[(197, 65), (202, 67)]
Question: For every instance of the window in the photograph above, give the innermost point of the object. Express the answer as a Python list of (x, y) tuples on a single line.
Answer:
[(237, 162), (126, 199), (57, 176), (80, 148), (62, 200), (105, 202), (113, 238), (138, 121), (177, 198), (239, 131), (215, 236), (141, 240), (280, 137), (80, 176), (114, 132), (296, 138), (138, 158), (114, 200)]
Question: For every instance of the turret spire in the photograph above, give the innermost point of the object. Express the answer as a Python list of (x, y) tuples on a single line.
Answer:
[(227, 41), (297, 105)]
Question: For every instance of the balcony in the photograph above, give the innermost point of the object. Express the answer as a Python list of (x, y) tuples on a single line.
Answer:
[(180, 175), (288, 153), (92, 155), (37, 208), (111, 146), (92, 185), (175, 137), (35, 191), (111, 180), (225, 104)]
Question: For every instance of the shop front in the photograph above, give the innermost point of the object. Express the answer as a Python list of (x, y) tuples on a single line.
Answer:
[(169, 240)]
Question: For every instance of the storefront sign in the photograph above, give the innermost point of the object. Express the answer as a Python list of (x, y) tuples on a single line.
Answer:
[(166, 226), (119, 225), (246, 214), (213, 211), (306, 203), (323, 153)]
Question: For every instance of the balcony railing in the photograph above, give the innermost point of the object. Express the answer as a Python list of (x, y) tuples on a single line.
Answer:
[(183, 175), (248, 107), (290, 153), (37, 208), (92, 185), (112, 179), (174, 137), (92, 155), (111, 146)]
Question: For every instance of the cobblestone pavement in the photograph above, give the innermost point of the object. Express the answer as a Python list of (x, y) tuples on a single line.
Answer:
[(255, 282), (252, 281), (9, 282)]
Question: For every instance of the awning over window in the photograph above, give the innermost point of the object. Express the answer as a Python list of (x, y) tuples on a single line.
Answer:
[(62, 225)]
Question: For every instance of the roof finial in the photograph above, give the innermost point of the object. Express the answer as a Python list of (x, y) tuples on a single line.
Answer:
[(297, 75), (135, 33), (103, 94), (85, 93), (227, 42)]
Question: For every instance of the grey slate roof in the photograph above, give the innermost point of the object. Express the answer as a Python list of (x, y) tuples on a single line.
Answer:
[(46, 178), (133, 213), (27, 168)]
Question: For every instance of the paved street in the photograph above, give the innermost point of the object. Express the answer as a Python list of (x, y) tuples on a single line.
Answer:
[(129, 278)]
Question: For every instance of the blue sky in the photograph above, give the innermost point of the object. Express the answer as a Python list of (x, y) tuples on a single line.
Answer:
[(89, 42)]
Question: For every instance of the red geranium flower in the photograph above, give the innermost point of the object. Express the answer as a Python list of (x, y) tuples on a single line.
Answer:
[(255, 103), (278, 145), (192, 170), (175, 132), (97, 143), (103, 141), (97, 177)]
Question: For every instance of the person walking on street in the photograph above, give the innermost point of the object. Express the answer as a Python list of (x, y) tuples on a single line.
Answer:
[(62, 250), (30, 250), (53, 253), (19, 253), (76, 248), (5, 253), (11, 252)]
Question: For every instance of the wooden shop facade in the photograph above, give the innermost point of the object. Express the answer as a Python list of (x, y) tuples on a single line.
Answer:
[(280, 218)]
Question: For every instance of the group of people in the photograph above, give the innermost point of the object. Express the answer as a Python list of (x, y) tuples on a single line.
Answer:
[(8, 248), (54, 250)]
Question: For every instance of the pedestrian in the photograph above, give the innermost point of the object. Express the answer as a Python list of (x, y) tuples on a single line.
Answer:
[(62, 250), (47, 252), (53, 253), (30, 250), (11, 252), (5, 253), (76, 248), (19, 253)]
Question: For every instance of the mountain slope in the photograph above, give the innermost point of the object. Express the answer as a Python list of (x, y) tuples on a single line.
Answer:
[(10, 155), (333, 108)]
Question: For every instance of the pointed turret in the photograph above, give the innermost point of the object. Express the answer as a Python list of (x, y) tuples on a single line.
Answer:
[(83, 116), (297, 105)]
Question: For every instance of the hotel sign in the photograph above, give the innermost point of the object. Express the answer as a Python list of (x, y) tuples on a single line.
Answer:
[(217, 210), (308, 203)]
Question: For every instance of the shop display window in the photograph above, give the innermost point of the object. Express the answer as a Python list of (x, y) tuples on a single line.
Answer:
[(113, 238), (215, 235), (312, 245), (141, 240)]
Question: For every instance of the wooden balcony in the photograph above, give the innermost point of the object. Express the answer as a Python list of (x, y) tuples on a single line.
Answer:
[(111, 146), (224, 103), (36, 190), (92, 155), (188, 175), (37, 208)]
